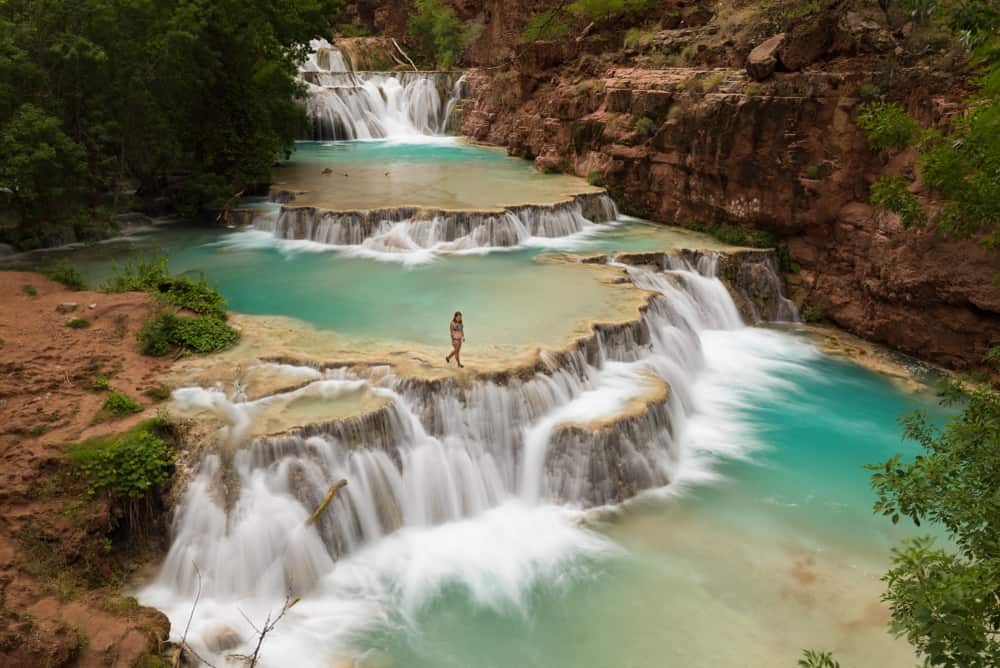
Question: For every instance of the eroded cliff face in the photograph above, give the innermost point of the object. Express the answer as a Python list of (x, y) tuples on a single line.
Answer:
[(707, 143)]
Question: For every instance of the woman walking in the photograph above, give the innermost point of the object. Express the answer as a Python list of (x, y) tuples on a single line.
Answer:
[(457, 330)]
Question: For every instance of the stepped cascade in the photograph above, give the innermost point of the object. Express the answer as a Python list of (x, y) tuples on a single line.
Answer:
[(496, 363), (344, 104), (439, 452), (409, 229)]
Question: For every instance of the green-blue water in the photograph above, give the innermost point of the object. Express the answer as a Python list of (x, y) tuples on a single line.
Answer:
[(508, 296), (782, 554)]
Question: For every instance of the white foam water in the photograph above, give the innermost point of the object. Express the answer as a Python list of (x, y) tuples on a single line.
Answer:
[(465, 488)]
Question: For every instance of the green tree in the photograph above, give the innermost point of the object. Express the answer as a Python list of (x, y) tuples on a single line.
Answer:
[(193, 99), (946, 600), (41, 165), (960, 167), (438, 34)]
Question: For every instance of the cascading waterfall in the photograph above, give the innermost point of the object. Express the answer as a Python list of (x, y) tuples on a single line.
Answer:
[(439, 452), (344, 104), (408, 229)]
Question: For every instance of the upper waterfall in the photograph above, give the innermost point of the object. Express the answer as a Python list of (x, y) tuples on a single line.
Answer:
[(344, 104)]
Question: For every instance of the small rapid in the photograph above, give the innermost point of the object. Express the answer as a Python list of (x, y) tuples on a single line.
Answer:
[(442, 469)]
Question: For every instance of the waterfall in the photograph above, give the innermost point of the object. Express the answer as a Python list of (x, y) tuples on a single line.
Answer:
[(594, 425), (409, 229), (343, 104)]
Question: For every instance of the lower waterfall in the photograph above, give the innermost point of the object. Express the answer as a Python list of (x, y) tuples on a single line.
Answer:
[(408, 229), (445, 468)]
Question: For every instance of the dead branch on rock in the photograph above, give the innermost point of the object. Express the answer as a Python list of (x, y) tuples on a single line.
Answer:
[(396, 44)]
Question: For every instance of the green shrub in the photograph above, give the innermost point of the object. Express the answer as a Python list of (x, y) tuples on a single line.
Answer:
[(64, 272), (151, 661), (814, 313), (736, 236), (119, 404), (645, 126), (753, 89), (30, 290), (890, 193), (600, 10), (101, 384), (975, 22), (887, 125), (78, 323), (711, 82), (157, 392), (204, 334), (595, 178), (869, 92), (137, 275), (152, 275), (349, 30), (127, 465), (556, 23), (201, 334), (550, 24), (813, 659), (637, 38), (920, 10), (438, 33)]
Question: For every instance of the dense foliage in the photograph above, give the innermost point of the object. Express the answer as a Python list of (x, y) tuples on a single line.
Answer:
[(125, 466), (206, 332), (66, 273), (560, 20), (814, 659), (946, 599), (200, 334), (437, 33), (153, 275), (119, 404), (190, 98), (962, 166)]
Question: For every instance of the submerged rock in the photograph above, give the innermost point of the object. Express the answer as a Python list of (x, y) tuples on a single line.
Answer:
[(222, 639)]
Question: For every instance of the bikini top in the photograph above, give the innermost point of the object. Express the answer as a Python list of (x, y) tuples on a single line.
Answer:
[(457, 327)]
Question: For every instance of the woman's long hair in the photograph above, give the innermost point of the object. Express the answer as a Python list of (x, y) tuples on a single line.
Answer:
[(458, 314)]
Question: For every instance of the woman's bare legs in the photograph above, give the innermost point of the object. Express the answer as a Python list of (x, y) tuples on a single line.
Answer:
[(456, 352)]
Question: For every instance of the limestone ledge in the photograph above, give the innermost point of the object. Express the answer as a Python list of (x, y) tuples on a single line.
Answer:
[(617, 456)]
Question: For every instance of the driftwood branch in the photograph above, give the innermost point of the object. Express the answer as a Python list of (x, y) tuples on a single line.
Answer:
[(183, 646), (334, 488), (262, 632), (400, 49)]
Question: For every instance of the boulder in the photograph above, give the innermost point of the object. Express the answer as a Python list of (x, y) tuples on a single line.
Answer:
[(807, 40), (763, 60), (222, 639), (67, 307)]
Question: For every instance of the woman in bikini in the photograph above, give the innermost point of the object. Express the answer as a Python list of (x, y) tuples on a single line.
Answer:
[(457, 337)]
